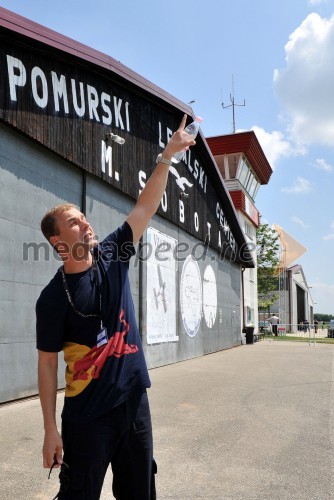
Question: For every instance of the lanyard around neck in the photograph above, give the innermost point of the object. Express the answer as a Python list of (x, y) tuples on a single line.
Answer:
[(97, 283)]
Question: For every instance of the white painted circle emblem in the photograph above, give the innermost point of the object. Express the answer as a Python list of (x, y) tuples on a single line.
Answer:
[(191, 296), (209, 296)]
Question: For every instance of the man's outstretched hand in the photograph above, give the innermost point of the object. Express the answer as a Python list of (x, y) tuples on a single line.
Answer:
[(179, 141)]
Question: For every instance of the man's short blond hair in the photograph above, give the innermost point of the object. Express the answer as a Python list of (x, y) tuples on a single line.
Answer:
[(49, 222)]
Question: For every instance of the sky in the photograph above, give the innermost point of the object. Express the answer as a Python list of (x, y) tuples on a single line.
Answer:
[(276, 56)]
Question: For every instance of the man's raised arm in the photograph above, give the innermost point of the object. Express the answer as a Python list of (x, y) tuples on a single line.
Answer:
[(150, 197)]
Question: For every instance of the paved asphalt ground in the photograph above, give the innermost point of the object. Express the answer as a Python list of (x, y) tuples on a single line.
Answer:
[(250, 423)]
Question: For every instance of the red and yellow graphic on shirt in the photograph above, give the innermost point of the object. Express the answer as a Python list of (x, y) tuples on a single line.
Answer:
[(85, 363)]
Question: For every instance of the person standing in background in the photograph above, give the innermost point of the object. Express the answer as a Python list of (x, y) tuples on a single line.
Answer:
[(274, 320)]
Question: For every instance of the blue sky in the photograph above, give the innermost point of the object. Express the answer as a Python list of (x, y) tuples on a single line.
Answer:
[(280, 57)]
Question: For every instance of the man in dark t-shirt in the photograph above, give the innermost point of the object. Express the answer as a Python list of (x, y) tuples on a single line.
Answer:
[(87, 311), (91, 391)]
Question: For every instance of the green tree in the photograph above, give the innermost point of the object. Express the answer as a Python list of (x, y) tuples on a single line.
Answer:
[(267, 264), (323, 317)]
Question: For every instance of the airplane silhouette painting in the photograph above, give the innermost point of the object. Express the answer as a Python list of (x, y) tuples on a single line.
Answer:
[(159, 295)]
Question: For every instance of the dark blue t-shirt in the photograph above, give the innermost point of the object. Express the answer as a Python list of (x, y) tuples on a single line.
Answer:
[(98, 378)]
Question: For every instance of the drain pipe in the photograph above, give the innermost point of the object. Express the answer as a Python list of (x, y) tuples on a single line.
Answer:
[(243, 299)]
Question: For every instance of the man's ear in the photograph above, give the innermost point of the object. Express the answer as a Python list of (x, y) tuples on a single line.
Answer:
[(54, 240)]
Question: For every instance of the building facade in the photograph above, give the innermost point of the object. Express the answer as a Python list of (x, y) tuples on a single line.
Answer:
[(295, 304), (244, 168), (77, 126)]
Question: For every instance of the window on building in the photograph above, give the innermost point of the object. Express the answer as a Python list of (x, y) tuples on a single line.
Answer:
[(248, 229), (253, 187), (247, 178), (249, 315), (256, 190), (243, 171), (249, 181)]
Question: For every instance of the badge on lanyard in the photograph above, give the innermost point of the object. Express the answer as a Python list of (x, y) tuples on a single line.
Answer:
[(102, 337)]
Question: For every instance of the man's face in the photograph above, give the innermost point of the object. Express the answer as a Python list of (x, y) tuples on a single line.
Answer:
[(76, 235)]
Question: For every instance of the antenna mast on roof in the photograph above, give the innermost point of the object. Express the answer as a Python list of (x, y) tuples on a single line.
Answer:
[(233, 104)]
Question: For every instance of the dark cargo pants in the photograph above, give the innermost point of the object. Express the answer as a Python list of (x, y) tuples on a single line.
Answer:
[(122, 438)]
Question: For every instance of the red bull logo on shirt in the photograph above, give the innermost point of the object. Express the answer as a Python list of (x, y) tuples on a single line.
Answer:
[(85, 364)]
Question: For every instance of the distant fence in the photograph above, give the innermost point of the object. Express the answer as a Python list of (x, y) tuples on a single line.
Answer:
[(307, 331)]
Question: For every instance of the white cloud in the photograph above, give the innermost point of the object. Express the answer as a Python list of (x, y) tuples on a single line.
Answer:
[(273, 144), (323, 165), (330, 236), (305, 85), (316, 2), (299, 221), (301, 185)]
